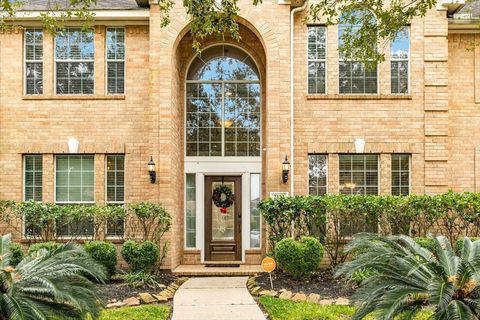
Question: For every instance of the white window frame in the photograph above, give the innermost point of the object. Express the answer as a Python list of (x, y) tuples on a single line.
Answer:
[(400, 171), (24, 235), (73, 61), (222, 157), (124, 60), (119, 203), (340, 60), (362, 154), (186, 247), (318, 60), (308, 170), (26, 61), (402, 60)]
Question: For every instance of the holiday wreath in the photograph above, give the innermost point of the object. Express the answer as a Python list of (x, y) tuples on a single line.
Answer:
[(223, 197)]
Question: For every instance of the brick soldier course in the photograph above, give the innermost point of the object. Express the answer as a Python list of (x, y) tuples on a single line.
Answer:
[(436, 123)]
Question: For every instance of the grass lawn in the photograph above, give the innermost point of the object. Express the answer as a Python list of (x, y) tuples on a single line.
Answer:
[(157, 312), (291, 310)]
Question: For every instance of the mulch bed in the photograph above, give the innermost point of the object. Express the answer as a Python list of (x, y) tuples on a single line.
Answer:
[(322, 283), (117, 290)]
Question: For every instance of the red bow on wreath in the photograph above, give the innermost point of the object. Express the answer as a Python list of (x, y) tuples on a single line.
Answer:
[(223, 198)]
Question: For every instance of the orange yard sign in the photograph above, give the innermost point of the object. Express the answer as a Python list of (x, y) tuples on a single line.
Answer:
[(268, 264)]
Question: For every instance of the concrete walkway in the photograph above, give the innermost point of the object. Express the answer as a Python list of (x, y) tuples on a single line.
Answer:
[(215, 298)]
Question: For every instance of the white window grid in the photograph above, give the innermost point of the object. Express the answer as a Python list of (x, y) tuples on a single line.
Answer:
[(399, 60), (317, 57), (81, 185), (190, 211), (119, 58), (119, 202), (317, 176), (364, 188), (37, 61), (350, 64), (36, 183), (401, 188), (89, 61)]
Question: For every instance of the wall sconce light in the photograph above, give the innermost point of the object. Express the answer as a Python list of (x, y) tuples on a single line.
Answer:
[(359, 145), (73, 145), (152, 171), (285, 170)]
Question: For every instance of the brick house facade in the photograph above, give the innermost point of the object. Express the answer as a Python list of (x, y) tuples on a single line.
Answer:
[(431, 127)]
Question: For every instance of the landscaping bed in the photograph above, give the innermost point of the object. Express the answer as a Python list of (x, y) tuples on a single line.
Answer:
[(117, 289), (321, 283)]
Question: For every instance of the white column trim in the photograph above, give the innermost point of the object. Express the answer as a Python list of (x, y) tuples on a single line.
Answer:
[(245, 213), (200, 207)]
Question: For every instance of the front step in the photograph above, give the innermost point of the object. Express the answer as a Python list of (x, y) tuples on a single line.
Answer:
[(200, 270), (223, 262)]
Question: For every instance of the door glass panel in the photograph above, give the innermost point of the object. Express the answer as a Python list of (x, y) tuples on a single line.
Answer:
[(223, 224)]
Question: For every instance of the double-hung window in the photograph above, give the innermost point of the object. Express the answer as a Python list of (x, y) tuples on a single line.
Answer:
[(400, 174), (399, 61), (115, 191), (317, 174), (115, 60), (74, 61), (33, 61), (355, 77), (32, 188), (359, 175), (317, 54), (74, 184)]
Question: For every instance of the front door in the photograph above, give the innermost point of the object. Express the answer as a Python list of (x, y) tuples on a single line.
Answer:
[(223, 220)]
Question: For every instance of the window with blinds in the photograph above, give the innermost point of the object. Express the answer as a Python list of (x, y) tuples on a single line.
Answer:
[(317, 174), (33, 61), (399, 56), (74, 184), (33, 171), (115, 60), (317, 54), (74, 61), (115, 191), (400, 174), (354, 76), (358, 174), (32, 188)]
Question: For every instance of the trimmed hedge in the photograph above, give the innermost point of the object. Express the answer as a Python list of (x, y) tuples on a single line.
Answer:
[(43, 245), (140, 256), (104, 253), (426, 243), (299, 258), (16, 253)]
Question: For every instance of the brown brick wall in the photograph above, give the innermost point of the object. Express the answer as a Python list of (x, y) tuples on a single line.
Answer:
[(437, 122)]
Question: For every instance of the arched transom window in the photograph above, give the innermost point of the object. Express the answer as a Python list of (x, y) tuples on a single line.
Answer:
[(223, 104)]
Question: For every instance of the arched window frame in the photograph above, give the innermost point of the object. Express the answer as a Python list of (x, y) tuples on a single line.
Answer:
[(224, 93)]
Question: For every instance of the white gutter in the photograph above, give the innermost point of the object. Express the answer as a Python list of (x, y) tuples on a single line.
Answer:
[(137, 14), (292, 125)]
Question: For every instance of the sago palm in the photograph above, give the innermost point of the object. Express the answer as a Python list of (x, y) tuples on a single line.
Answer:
[(410, 278), (49, 284)]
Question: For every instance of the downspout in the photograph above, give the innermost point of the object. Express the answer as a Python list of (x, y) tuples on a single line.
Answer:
[(292, 125)]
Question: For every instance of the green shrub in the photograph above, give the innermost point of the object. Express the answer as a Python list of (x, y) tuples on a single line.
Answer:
[(104, 253), (43, 245), (426, 243), (16, 253), (141, 278), (363, 274), (299, 258), (459, 243), (140, 256)]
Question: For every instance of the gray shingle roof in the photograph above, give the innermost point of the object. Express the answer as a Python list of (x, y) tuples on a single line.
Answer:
[(42, 5), (471, 8)]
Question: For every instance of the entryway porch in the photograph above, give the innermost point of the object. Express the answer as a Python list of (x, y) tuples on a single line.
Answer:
[(224, 270)]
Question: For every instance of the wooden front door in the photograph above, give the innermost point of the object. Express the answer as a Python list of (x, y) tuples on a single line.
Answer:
[(223, 230)]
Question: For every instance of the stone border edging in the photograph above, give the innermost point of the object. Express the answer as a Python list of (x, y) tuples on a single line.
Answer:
[(256, 290), (146, 298)]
